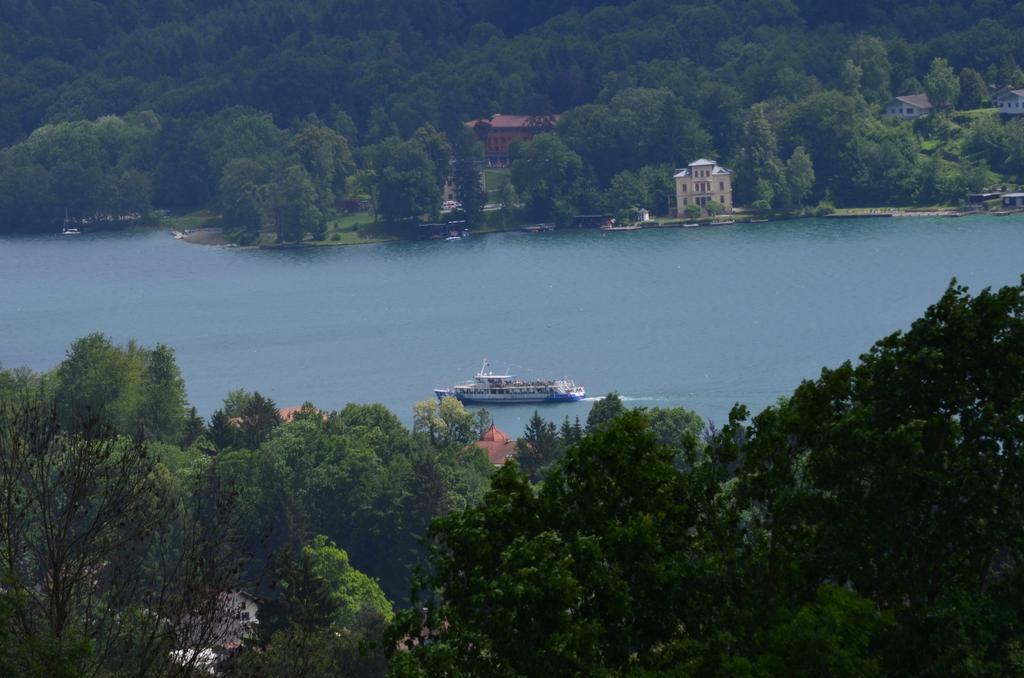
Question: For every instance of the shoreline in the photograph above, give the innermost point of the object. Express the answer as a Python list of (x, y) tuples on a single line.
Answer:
[(213, 235)]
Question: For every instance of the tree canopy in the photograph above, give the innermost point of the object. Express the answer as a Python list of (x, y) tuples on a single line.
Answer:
[(114, 110)]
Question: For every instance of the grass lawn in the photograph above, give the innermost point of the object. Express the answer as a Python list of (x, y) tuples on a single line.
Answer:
[(976, 113), (198, 219), (352, 229), (493, 179)]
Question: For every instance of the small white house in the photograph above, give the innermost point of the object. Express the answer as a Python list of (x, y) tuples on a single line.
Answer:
[(908, 107), (1012, 200), (1010, 102)]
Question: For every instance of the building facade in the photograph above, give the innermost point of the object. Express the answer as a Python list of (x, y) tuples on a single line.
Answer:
[(498, 132), (701, 182), (908, 107), (1010, 102), (1013, 200)]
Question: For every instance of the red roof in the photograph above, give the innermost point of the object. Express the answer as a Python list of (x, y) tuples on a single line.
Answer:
[(495, 435), (288, 413), (502, 121), (498, 446)]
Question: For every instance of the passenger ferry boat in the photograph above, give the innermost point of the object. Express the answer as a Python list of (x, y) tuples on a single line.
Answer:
[(488, 387)]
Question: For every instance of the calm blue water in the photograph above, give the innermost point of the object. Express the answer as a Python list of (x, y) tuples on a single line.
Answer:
[(700, 317)]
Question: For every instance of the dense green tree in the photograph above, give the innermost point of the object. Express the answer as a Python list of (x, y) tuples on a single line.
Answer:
[(548, 176), (878, 164), (257, 420), (290, 207), (406, 180), (302, 597), (878, 462), (570, 433), (327, 159), (941, 84), (760, 169), (604, 411), (607, 561), (357, 598), (627, 191), (240, 191), (467, 175), (538, 447), (221, 431), (446, 422), (850, 77), (973, 91), (675, 427), (138, 391), (798, 178), (870, 55)]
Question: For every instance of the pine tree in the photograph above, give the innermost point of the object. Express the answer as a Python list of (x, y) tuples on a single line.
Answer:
[(539, 446)]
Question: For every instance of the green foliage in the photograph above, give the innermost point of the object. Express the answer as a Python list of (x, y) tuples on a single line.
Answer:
[(941, 84), (136, 390), (357, 598), (105, 565), (973, 91), (291, 206), (548, 177), (327, 159), (448, 422), (538, 447), (406, 179), (604, 411), (884, 476), (467, 175), (110, 109), (359, 478)]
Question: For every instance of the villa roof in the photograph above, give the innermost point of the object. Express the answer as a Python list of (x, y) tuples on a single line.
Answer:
[(288, 413), (498, 446), (718, 171), (1014, 92), (502, 121), (702, 161), (495, 435), (918, 100)]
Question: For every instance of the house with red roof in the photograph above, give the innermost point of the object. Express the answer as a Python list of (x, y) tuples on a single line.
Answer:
[(498, 446), (498, 132)]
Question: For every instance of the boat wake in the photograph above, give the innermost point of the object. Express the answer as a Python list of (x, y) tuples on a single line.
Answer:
[(627, 399)]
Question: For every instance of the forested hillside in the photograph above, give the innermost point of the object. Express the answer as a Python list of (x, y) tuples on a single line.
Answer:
[(116, 107)]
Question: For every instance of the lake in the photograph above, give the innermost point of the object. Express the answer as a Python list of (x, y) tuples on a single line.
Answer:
[(701, 318)]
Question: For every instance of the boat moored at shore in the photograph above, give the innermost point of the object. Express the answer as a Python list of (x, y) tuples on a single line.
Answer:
[(488, 387)]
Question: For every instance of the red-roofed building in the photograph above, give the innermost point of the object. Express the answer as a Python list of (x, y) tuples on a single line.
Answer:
[(499, 132), (288, 413), (498, 446)]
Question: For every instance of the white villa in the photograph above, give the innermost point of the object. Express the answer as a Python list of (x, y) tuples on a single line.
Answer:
[(1010, 102), (908, 107), (701, 182)]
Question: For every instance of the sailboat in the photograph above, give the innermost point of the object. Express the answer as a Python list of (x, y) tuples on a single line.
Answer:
[(68, 229)]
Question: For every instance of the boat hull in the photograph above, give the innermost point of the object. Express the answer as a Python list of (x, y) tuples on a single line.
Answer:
[(509, 398)]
